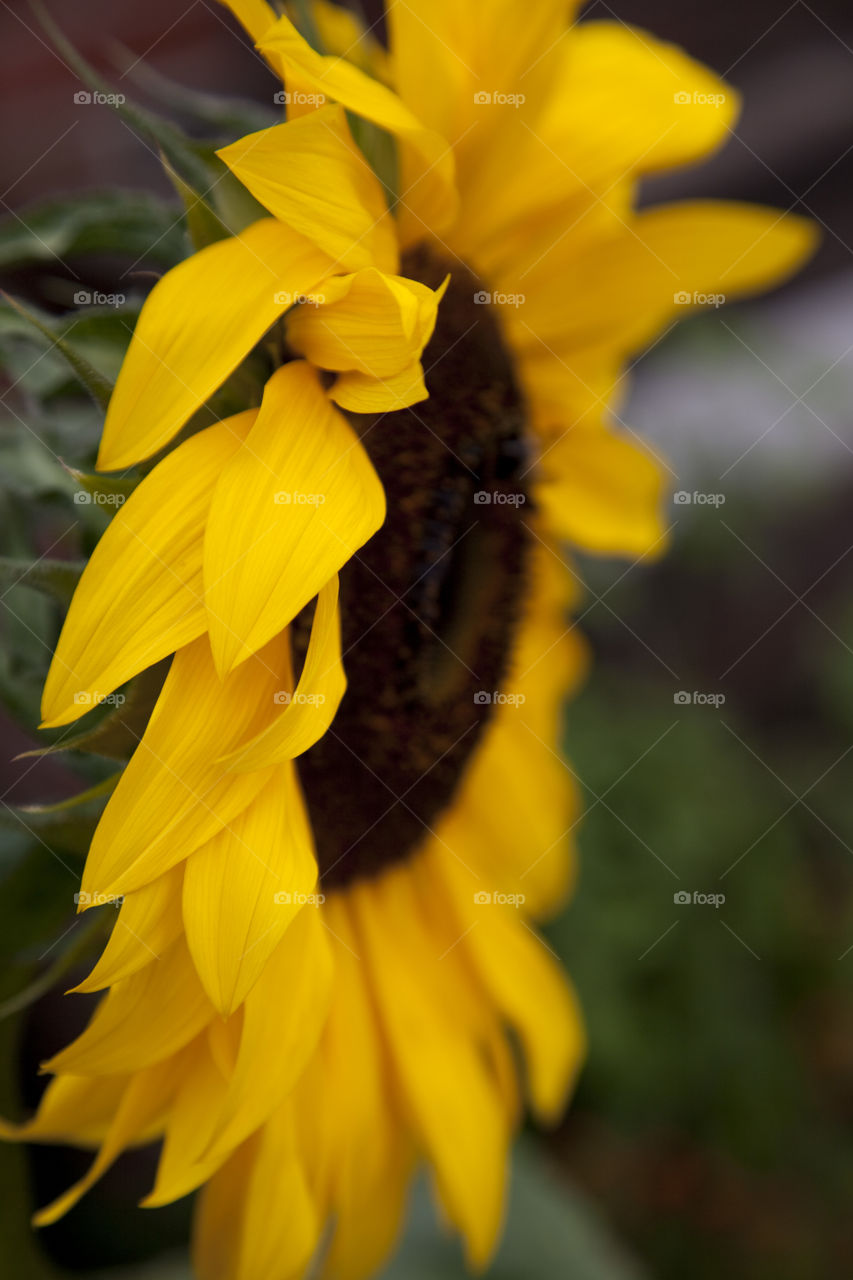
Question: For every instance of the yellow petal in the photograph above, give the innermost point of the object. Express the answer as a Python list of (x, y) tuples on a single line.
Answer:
[(360, 393), (427, 195), (72, 1109), (451, 1100), (524, 982), (175, 794), (196, 326), (310, 709), (310, 174), (602, 492), (141, 1020), (141, 595), (373, 323), (143, 1103), (292, 506), (474, 51), (200, 1090), (245, 887), (281, 1226), (148, 922), (285, 1010)]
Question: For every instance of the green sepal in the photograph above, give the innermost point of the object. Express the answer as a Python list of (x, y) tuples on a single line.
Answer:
[(117, 735), (106, 491), (204, 224)]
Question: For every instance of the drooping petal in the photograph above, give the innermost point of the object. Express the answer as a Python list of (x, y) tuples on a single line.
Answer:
[(310, 709), (360, 393), (175, 794), (292, 506), (149, 921), (197, 324), (282, 1224), (369, 322), (427, 196), (452, 1103), (310, 174), (143, 1103), (522, 980), (141, 1020), (282, 1020), (141, 595), (245, 887)]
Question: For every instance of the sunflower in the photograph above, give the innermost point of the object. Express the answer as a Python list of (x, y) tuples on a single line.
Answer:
[(348, 807)]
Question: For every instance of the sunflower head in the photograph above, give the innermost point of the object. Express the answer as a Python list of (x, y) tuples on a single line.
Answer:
[(348, 807)]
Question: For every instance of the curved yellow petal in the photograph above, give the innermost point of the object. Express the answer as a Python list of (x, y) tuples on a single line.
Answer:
[(149, 921), (286, 1009), (141, 595), (141, 1020), (522, 979), (427, 196), (175, 794), (310, 709), (245, 887), (196, 326), (144, 1100), (369, 322), (282, 1224), (360, 393), (451, 1101), (310, 174), (292, 506)]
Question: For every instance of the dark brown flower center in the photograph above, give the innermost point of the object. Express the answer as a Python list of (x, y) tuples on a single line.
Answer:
[(430, 605)]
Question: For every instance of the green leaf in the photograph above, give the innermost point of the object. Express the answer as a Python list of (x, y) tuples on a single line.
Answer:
[(551, 1231), (117, 735), (98, 387), (131, 223), (56, 578)]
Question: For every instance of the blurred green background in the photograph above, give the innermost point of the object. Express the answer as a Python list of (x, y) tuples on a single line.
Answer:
[(711, 1132)]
